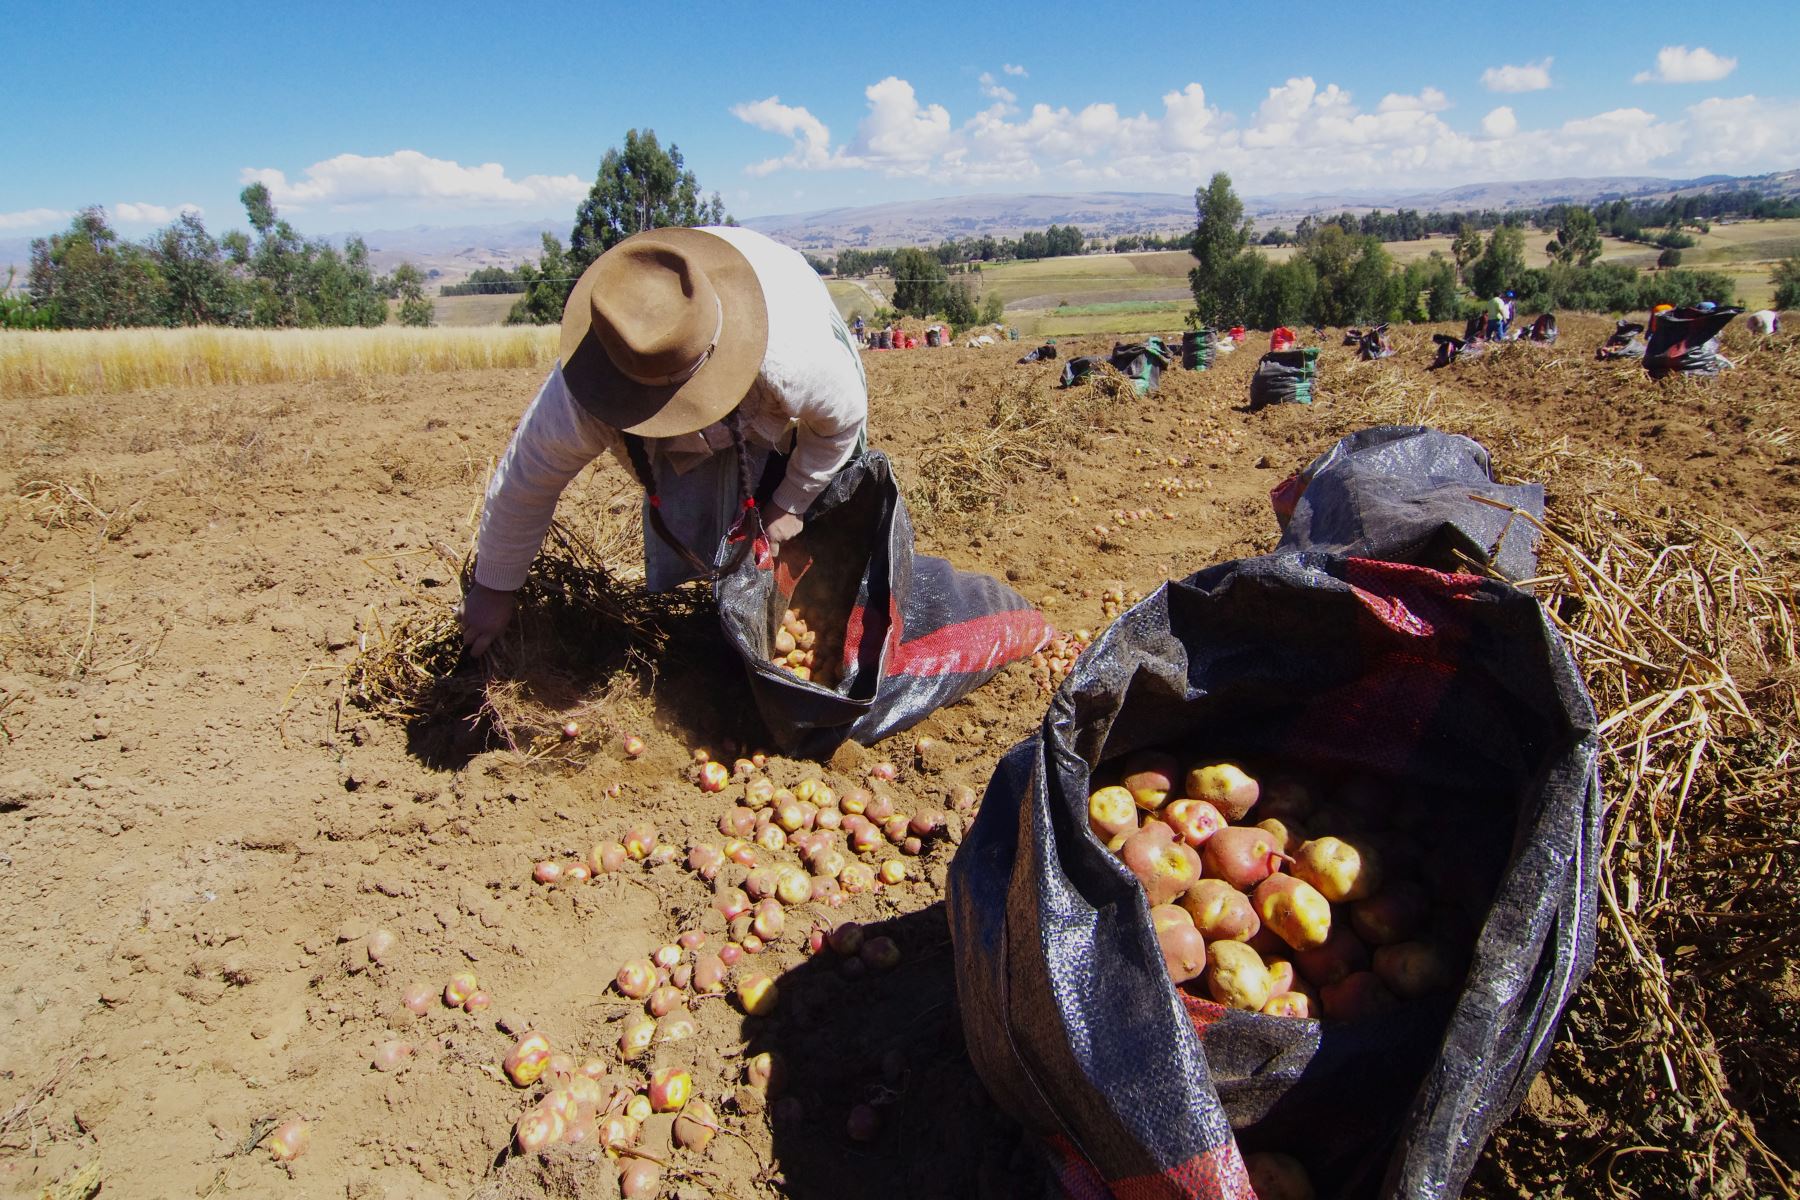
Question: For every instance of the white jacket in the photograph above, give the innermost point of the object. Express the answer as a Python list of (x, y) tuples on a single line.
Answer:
[(811, 383)]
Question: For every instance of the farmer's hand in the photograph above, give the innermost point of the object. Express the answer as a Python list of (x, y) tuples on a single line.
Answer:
[(782, 525), (484, 614)]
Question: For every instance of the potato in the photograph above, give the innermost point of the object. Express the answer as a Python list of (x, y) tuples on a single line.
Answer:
[(1150, 776), (1184, 952), (1242, 856), (1278, 1177), (1165, 866), (1358, 996), (1290, 1004), (1220, 911), (1294, 909), (1236, 976), (1340, 870), (1225, 786), (1112, 812), (1194, 820), (1342, 954), (1397, 913), (1412, 969), (1287, 833)]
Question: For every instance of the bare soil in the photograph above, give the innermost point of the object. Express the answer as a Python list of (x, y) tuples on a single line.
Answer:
[(198, 827)]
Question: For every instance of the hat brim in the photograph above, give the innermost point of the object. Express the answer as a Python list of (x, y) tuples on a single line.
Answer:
[(720, 384)]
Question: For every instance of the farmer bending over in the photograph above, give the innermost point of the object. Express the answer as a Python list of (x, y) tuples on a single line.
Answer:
[(694, 356)]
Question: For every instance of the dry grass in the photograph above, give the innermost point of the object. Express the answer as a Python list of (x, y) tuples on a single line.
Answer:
[(974, 467), (585, 646), (1686, 633), (123, 360)]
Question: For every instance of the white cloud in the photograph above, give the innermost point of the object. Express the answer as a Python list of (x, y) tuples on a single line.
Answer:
[(1303, 135), (33, 217), (152, 214), (1014, 69), (352, 180), (1530, 77), (812, 139), (1678, 64), (1742, 134), (900, 136), (990, 87), (1428, 100)]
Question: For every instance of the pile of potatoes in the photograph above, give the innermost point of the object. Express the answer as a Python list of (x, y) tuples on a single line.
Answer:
[(1287, 897), (797, 650)]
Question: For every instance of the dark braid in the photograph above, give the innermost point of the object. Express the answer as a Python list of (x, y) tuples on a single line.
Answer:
[(640, 463), (734, 425), (640, 466)]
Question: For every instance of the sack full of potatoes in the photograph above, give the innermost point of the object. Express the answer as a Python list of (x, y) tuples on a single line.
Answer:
[(1287, 895)]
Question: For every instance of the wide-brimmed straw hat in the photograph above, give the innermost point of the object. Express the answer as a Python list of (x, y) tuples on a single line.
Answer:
[(664, 333)]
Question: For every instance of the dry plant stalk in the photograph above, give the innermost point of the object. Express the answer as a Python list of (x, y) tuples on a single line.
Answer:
[(978, 468), (576, 623), (1686, 633)]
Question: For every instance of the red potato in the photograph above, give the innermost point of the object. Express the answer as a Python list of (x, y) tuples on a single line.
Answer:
[(1242, 856), (879, 808), (1193, 820), (290, 1140), (1413, 969), (1282, 976), (696, 1125), (670, 1089), (1290, 1004), (857, 878), (758, 995), (709, 974), (547, 871), (391, 1056), (637, 1037), (1342, 954), (478, 1002), (879, 953), (1220, 911), (526, 1061), (1225, 786), (705, 860), (674, 1027), (845, 939), (639, 841), (537, 1130), (759, 793), (379, 945), (1236, 976), (1397, 913), (1150, 776), (636, 978), (1294, 909), (1358, 996), (417, 998), (663, 1000), (863, 1124), (1184, 952), (459, 988), (740, 822), (765, 1073), (792, 885), (1170, 916), (1339, 869), (1165, 866), (640, 1179), (1278, 1177), (607, 857)]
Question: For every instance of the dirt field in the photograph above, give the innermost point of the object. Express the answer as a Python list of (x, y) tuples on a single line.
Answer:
[(201, 827)]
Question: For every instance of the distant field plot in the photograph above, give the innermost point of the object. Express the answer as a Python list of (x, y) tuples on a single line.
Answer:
[(464, 311)]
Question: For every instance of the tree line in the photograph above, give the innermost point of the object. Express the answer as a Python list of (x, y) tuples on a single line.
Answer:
[(88, 277), (1342, 276)]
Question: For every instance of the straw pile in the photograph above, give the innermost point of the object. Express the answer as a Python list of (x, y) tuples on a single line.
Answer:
[(1675, 1072)]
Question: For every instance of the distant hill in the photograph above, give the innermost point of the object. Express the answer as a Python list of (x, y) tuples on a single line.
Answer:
[(454, 251)]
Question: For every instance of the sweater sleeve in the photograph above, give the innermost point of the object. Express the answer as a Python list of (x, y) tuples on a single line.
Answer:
[(829, 398), (554, 441)]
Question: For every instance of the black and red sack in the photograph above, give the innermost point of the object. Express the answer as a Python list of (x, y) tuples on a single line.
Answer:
[(907, 633), (1454, 689)]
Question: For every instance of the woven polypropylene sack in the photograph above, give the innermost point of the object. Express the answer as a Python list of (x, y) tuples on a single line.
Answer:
[(1684, 341), (917, 633), (1402, 493), (1142, 1089)]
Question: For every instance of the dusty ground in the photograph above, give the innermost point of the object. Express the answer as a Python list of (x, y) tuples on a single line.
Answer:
[(199, 832)]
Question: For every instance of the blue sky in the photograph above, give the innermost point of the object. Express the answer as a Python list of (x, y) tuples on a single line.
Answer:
[(377, 116)]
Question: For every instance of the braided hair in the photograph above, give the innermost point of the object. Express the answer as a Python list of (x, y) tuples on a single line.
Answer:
[(639, 454)]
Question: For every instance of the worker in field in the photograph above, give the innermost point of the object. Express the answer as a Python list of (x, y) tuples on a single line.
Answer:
[(714, 366), (1496, 317)]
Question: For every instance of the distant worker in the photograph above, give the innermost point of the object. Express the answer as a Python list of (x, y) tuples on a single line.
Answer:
[(1506, 316), (712, 364), (1496, 317)]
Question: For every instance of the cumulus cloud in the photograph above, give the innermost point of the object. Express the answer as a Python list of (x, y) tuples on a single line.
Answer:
[(1304, 133), (1014, 69), (991, 88), (152, 214), (1530, 77), (1678, 64), (1428, 100), (353, 180), (900, 136), (812, 139), (33, 217)]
